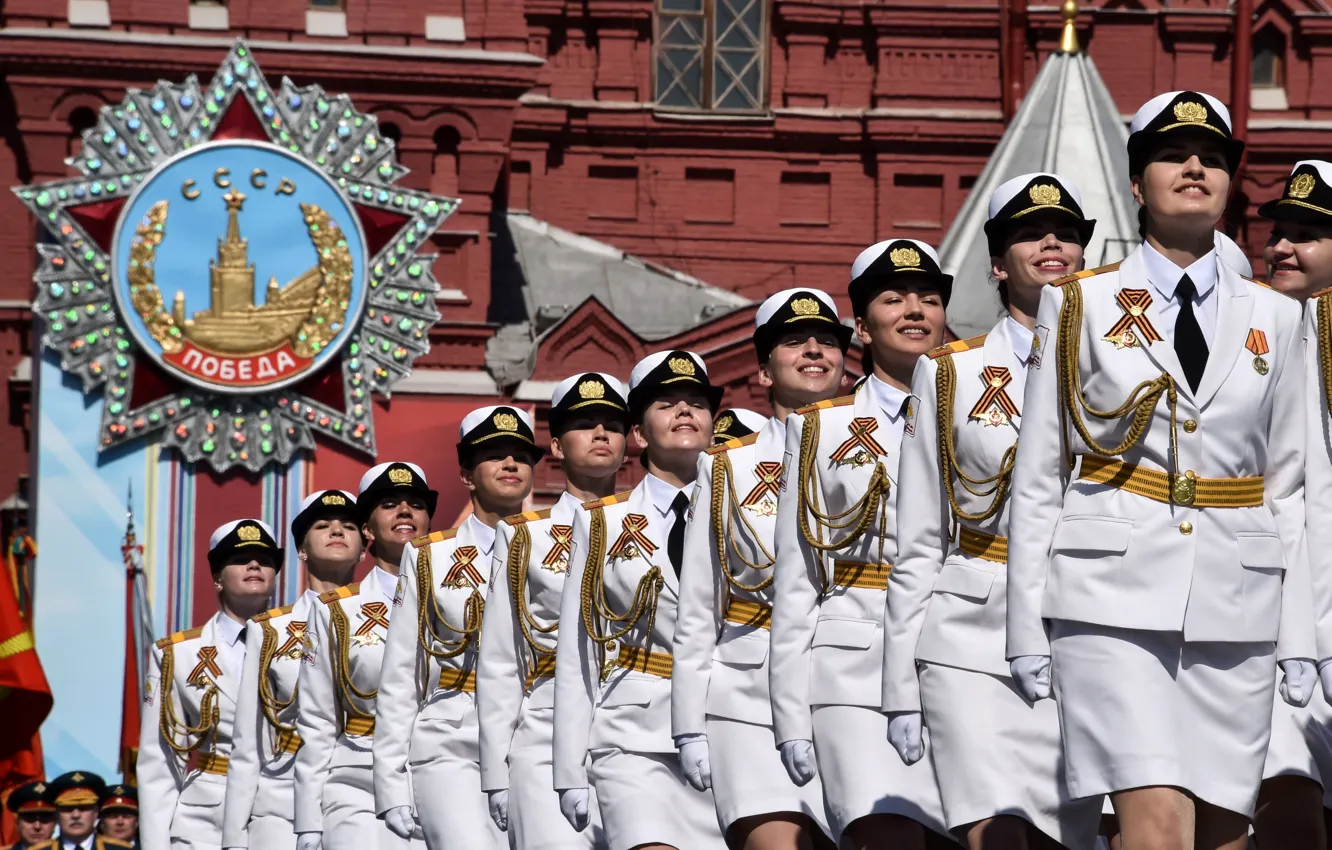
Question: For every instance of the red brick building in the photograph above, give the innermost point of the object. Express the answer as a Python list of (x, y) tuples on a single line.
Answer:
[(729, 148)]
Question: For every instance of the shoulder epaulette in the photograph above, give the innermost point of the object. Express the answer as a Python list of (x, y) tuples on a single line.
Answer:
[(958, 346), (1320, 293), (736, 443), (606, 501), (1085, 273), (274, 612), (114, 842), (340, 593), (434, 537), (527, 516), (1260, 283), (188, 634), (842, 401)]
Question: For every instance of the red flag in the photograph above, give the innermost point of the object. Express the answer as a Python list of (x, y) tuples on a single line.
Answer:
[(129, 698), (25, 697), (24, 767)]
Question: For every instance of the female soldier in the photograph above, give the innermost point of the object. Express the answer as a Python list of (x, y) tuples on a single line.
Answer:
[(613, 661), (260, 784), (340, 669), (946, 592), (722, 718), (1158, 506), (838, 511), (427, 750), (194, 680)]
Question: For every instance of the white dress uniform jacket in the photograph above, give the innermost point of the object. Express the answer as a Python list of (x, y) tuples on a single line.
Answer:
[(190, 671), (260, 809), (947, 593), (339, 681), (720, 686), (613, 700), (425, 720), (827, 625), (515, 684)]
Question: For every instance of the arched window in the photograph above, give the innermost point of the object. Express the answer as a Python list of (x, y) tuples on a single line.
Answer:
[(82, 118), (1269, 58), (711, 55), (444, 174)]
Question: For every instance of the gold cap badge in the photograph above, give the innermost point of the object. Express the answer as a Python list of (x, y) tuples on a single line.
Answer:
[(591, 389), (333, 499), (398, 475), (723, 425), (1302, 186), (248, 533), (682, 366), (1191, 112), (905, 257), (805, 307), (506, 421), (1045, 194), (78, 777)]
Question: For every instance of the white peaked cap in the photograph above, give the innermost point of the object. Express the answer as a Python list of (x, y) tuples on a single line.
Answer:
[(319, 494), (652, 361), (562, 389), (1232, 255), (748, 418), (873, 252), (226, 528), (476, 417), (1010, 188), (376, 471), (1154, 107), (775, 303), (1324, 169)]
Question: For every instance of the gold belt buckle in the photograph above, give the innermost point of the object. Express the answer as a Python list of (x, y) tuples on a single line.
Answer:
[(1184, 488)]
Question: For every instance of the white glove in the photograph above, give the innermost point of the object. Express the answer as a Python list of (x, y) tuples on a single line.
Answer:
[(1326, 675), (499, 808), (694, 760), (310, 841), (904, 733), (573, 805), (798, 758), (400, 821), (1297, 685), (1031, 673)]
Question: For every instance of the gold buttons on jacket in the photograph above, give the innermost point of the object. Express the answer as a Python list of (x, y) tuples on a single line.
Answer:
[(1186, 527), (1190, 425)]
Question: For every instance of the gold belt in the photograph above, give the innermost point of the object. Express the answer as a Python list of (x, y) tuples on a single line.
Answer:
[(451, 679), (360, 726), (634, 658), (978, 544), (542, 668), (743, 612), (213, 763), (1188, 489), (863, 576), (288, 742)]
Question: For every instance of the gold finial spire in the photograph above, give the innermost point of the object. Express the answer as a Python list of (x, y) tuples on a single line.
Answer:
[(1068, 42)]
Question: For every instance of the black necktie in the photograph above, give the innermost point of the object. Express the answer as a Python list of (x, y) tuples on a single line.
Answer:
[(675, 540), (1190, 344)]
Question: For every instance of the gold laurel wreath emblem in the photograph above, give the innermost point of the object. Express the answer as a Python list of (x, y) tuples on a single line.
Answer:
[(1302, 186), (1191, 112), (327, 312), (905, 257), (1045, 194)]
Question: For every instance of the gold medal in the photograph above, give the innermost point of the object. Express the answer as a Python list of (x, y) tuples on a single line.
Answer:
[(1260, 366)]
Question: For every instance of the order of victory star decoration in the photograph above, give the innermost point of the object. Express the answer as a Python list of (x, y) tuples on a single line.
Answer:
[(235, 268)]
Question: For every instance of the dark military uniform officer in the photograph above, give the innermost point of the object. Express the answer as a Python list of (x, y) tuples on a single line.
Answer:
[(76, 797), (120, 814), (35, 815)]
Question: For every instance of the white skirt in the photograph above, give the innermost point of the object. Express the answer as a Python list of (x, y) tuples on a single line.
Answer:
[(748, 777), (453, 811), (1141, 708), (1301, 742), (863, 775), (349, 813), (644, 799), (983, 736), (535, 820), (271, 832)]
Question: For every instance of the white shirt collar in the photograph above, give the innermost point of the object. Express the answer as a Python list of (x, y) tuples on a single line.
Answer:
[(564, 509), (661, 493), (889, 398), (482, 534), (1020, 338), (230, 630), (85, 844), (388, 583), (1165, 275)]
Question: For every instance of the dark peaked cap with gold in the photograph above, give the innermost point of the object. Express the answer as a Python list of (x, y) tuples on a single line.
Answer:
[(29, 798), (1180, 112), (792, 310), (395, 479), (670, 371), (594, 395), (736, 422), (896, 262), (497, 426), (1307, 197), (242, 535), (120, 797), (323, 504), (1029, 196), (76, 788)]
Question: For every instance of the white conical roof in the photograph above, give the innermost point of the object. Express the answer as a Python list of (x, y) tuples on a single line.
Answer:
[(1068, 124)]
